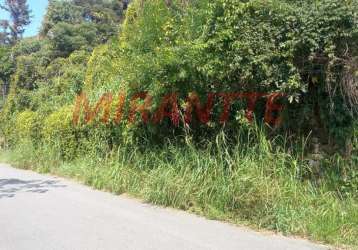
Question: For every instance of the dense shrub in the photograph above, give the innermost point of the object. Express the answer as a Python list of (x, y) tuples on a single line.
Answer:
[(304, 49), (201, 46), (58, 132), (24, 125), (275, 46)]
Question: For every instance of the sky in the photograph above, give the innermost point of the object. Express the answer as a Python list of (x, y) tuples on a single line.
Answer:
[(38, 8)]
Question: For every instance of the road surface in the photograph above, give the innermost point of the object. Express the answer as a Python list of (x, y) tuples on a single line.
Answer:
[(39, 212)]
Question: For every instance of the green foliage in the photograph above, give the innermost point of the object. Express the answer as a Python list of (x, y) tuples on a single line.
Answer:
[(72, 23), (49, 71), (26, 73), (291, 48), (101, 69), (66, 38), (58, 132), (202, 46), (27, 46), (25, 125), (65, 78), (248, 46), (242, 46), (305, 49), (256, 184), (326, 46), (274, 46), (60, 12), (6, 64)]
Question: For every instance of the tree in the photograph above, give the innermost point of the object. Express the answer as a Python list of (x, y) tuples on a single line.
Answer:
[(104, 16), (6, 64), (60, 12), (4, 25), (20, 17), (7, 67), (65, 38)]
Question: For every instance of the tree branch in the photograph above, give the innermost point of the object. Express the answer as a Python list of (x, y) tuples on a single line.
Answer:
[(4, 8)]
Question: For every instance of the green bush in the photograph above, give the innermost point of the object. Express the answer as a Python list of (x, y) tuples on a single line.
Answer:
[(58, 131), (25, 123), (305, 49)]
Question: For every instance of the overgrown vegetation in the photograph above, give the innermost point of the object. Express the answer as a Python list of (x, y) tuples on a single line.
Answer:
[(300, 177)]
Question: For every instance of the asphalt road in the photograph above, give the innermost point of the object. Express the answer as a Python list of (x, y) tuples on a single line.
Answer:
[(43, 212)]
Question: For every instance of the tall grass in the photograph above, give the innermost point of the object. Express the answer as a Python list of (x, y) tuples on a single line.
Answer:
[(252, 182)]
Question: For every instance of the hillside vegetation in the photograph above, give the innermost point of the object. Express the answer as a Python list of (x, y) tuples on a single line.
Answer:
[(297, 176)]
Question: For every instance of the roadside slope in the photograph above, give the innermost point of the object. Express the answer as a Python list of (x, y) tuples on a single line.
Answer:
[(43, 212)]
